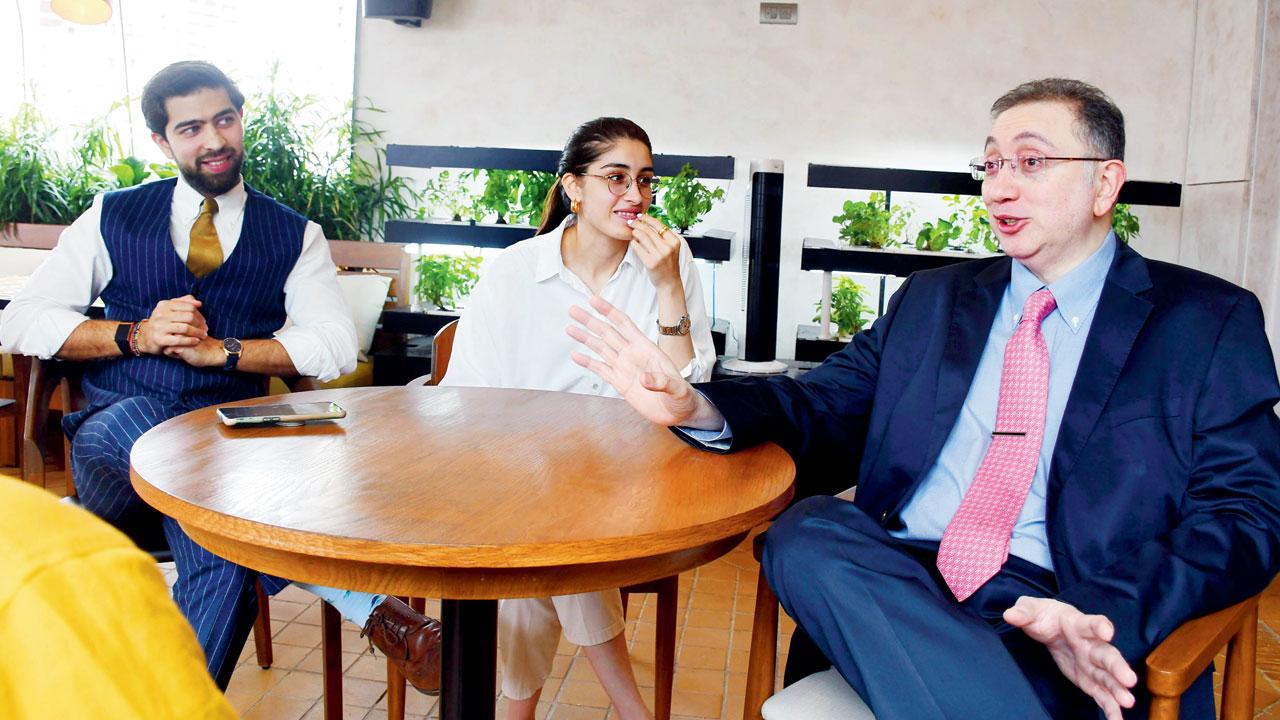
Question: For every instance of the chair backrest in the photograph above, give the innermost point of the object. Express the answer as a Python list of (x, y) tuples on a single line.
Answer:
[(46, 377), (441, 351), (387, 259)]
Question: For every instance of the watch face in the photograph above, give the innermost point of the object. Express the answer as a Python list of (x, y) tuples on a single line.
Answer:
[(231, 345)]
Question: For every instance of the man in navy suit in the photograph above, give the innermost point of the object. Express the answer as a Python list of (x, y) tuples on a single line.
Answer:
[(1067, 451)]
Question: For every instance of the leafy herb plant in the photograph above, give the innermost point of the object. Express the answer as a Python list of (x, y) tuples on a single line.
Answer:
[(870, 223), (849, 311), (683, 200), (1125, 223), (445, 279)]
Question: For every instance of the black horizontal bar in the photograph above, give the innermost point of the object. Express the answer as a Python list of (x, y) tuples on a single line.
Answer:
[(1134, 192), (810, 346), (893, 180), (715, 167), (414, 323), (822, 254), (450, 156), (713, 246), (443, 232)]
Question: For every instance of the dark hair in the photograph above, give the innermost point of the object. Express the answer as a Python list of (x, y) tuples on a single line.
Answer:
[(589, 141), (181, 79), (1100, 120)]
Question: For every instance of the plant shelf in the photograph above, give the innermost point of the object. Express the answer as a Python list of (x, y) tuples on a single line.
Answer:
[(836, 255)]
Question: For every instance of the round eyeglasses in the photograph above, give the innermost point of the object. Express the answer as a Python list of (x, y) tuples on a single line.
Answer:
[(620, 183), (1021, 164)]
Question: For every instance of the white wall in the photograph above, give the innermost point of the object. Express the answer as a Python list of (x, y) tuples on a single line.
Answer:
[(856, 82)]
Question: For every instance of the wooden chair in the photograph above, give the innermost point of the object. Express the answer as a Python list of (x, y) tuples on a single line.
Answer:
[(667, 589), (46, 377), (1171, 667), (9, 414)]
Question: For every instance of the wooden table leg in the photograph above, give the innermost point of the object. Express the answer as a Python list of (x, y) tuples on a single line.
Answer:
[(331, 651), (21, 383), (467, 688)]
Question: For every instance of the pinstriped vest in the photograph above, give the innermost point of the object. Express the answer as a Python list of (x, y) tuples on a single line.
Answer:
[(243, 298)]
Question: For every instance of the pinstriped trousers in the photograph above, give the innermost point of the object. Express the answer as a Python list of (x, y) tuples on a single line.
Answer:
[(216, 596)]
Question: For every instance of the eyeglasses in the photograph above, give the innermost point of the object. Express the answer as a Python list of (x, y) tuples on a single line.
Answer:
[(1028, 164), (620, 183)]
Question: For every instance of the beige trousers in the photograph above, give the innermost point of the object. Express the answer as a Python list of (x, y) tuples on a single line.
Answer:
[(529, 633)]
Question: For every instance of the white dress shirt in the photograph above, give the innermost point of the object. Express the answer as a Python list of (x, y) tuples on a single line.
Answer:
[(320, 339), (512, 332)]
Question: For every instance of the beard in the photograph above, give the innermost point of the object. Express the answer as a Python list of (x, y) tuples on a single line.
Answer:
[(213, 184)]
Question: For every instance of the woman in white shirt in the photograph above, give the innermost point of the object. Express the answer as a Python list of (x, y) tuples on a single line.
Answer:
[(596, 238)]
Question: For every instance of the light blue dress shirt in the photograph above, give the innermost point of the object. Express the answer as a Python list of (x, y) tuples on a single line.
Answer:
[(1065, 330)]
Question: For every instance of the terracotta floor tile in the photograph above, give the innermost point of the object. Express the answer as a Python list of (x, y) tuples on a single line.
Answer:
[(577, 692), (274, 707), (716, 586), (297, 634), (705, 637), (709, 618), (349, 712), (694, 680), (575, 712), (705, 658), (697, 705)]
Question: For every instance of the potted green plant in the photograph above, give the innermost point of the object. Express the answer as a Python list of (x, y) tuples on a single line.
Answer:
[(940, 234), (682, 200), (1125, 223), (849, 311), (443, 280), (444, 196), (871, 223), (534, 186), (968, 211), (331, 169), (501, 192)]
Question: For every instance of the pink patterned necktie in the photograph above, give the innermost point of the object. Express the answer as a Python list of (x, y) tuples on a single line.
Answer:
[(976, 542)]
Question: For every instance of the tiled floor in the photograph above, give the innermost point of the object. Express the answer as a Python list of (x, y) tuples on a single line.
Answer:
[(716, 603)]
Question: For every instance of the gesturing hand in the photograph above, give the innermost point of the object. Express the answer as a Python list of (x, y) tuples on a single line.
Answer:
[(638, 369), (1081, 646), (175, 323)]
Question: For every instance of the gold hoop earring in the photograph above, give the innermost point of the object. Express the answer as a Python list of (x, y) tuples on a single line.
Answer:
[(575, 206)]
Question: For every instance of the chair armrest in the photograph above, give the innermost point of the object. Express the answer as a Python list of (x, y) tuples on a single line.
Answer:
[(301, 384), (1179, 660)]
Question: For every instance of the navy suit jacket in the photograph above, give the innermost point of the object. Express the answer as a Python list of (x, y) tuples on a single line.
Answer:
[(1164, 489)]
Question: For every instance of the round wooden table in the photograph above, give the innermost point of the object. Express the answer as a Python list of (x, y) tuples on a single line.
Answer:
[(465, 494)]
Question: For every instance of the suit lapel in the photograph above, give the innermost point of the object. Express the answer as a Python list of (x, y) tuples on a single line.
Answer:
[(1120, 317), (974, 311)]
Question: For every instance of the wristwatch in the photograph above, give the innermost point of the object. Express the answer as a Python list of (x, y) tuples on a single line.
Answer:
[(680, 328), (231, 347)]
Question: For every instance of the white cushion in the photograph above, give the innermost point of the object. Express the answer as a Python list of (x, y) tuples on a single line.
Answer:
[(821, 696), (21, 261), (365, 294)]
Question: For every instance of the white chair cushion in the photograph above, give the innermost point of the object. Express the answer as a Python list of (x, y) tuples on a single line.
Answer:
[(21, 261), (365, 294), (821, 696)]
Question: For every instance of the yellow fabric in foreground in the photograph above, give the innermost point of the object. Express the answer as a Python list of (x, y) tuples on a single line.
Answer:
[(87, 627)]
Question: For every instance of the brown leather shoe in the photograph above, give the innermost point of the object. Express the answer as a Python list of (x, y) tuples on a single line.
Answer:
[(409, 640)]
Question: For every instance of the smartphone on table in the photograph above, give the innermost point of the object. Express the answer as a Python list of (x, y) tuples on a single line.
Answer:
[(292, 414)]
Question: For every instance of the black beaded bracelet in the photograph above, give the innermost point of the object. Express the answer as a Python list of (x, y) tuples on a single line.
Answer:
[(124, 331)]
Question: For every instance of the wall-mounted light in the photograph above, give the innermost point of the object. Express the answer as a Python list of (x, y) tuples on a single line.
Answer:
[(409, 13), (85, 12)]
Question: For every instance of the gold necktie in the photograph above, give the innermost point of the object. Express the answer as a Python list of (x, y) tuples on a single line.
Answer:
[(205, 253)]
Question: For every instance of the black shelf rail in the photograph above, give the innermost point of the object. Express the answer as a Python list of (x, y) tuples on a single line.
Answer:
[(713, 167), (889, 180), (713, 246)]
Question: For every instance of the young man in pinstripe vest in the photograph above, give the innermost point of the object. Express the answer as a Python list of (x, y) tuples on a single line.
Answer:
[(198, 275)]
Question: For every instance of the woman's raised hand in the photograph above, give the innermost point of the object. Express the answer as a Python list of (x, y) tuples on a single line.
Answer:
[(638, 369)]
